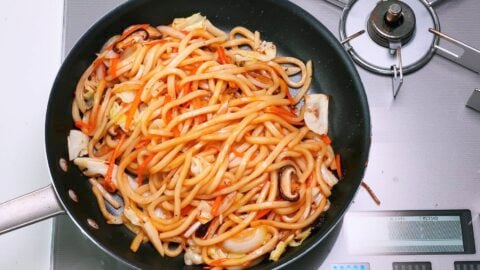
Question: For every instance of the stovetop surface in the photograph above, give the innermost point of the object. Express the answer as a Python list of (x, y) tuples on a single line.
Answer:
[(425, 151)]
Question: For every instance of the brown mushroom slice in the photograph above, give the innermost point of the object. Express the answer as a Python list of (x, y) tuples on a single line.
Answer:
[(288, 175), (141, 34)]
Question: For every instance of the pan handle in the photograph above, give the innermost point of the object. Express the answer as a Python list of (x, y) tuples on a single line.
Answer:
[(29, 208)]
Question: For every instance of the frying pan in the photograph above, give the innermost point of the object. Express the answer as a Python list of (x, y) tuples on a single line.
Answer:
[(293, 30)]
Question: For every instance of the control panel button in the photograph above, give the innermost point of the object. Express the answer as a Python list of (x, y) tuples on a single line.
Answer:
[(412, 266), (472, 265), (350, 266)]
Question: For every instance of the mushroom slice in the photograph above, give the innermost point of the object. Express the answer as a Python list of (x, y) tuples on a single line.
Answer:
[(288, 175), (142, 33), (316, 113)]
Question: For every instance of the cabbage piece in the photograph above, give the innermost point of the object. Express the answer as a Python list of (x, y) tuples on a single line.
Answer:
[(77, 142), (196, 21)]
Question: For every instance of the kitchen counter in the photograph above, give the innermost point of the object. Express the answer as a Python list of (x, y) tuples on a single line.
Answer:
[(31, 55)]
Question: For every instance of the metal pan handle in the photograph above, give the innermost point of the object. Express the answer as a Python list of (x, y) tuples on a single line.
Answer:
[(29, 208)]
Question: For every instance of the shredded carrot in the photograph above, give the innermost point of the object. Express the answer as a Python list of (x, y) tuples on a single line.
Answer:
[(97, 62), (142, 167), (213, 146), (217, 262), (326, 139), (112, 71), (82, 125), (220, 187), (221, 55), (281, 111), (142, 143), (216, 205), (310, 180), (232, 85), (289, 96), (175, 50), (155, 42), (371, 193), (338, 162), (289, 116), (186, 210), (260, 214), (109, 185), (235, 151), (201, 118), (133, 107), (187, 88), (176, 131), (168, 116)]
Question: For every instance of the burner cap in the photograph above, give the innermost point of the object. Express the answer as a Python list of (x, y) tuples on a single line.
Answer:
[(391, 22)]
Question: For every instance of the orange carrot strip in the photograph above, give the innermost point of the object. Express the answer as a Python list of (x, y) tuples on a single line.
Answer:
[(186, 210), (142, 143), (220, 187), (142, 167), (213, 146), (339, 165), (109, 185), (281, 111), (310, 180), (187, 88), (112, 71), (326, 139), (176, 131), (235, 152), (168, 116), (216, 205), (133, 107), (217, 262), (289, 97), (260, 214), (221, 55)]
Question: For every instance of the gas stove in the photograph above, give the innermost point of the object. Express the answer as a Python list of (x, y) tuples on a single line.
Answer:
[(424, 159)]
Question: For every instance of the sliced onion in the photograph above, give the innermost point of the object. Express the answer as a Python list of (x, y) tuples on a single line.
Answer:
[(127, 96), (227, 202), (106, 195), (158, 212), (152, 234), (317, 195), (246, 241), (192, 229), (205, 214), (96, 167), (77, 143), (132, 216), (328, 176), (316, 113)]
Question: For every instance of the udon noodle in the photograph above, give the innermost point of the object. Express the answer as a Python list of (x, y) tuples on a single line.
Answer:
[(197, 138)]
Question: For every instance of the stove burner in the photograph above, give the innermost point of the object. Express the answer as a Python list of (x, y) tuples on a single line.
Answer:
[(391, 22)]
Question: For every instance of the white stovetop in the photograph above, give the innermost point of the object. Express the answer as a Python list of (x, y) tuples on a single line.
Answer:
[(30, 50)]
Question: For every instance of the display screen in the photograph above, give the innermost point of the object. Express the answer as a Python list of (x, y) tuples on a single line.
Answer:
[(407, 232)]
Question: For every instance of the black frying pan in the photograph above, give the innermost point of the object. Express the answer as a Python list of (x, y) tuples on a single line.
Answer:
[(294, 31)]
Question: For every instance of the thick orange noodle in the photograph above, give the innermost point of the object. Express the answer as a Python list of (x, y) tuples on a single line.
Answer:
[(193, 128)]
